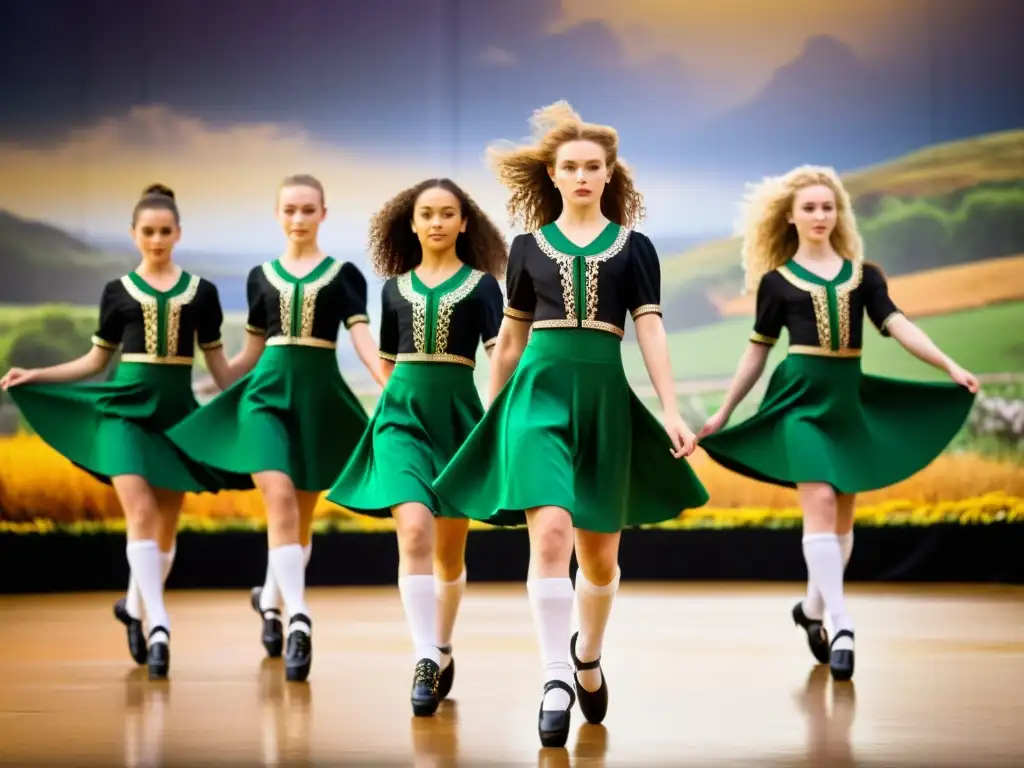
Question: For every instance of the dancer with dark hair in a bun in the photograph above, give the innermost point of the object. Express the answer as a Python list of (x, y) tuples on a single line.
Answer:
[(155, 315)]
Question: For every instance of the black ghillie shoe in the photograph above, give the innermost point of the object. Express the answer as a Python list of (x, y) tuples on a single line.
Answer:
[(817, 637)]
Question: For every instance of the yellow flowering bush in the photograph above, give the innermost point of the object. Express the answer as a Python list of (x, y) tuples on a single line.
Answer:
[(41, 492)]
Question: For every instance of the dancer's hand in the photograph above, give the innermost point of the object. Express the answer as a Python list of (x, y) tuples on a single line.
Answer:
[(964, 378), (683, 441), (17, 376), (206, 386), (713, 424)]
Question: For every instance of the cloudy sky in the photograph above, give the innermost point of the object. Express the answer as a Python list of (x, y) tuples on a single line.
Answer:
[(222, 99)]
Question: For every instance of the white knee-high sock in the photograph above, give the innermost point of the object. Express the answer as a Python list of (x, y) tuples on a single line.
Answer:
[(594, 605), (551, 602), (289, 569), (825, 565), (147, 568), (449, 597), (814, 604), (420, 603), (167, 561), (270, 596), (133, 597)]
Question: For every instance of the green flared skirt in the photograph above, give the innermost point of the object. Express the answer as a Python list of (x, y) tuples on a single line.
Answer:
[(824, 421), (567, 431), (424, 415), (293, 413), (118, 427)]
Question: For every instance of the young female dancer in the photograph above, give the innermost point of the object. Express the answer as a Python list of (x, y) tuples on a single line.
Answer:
[(566, 444), (440, 254), (290, 420), (824, 427), (115, 429)]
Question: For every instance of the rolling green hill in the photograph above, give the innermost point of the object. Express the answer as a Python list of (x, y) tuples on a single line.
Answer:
[(947, 204), (42, 263)]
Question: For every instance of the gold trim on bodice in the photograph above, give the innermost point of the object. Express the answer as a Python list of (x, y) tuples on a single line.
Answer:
[(174, 305), (419, 310), (310, 291), (590, 292), (819, 298), (150, 314), (287, 289), (843, 291), (805, 349), (446, 306)]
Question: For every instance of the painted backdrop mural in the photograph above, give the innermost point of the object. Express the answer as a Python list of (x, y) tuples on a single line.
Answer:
[(915, 102)]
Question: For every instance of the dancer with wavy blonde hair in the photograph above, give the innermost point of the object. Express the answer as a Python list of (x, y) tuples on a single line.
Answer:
[(566, 446), (824, 427)]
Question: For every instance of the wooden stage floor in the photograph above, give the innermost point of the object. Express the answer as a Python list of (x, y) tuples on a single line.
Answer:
[(699, 675)]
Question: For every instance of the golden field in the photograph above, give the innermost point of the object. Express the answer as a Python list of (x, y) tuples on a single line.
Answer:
[(937, 291), (40, 490)]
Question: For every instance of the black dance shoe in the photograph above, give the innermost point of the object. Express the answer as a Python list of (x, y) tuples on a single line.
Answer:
[(425, 681), (136, 637), (553, 724), (273, 634), (817, 636), (841, 663), (159, 656), (298, 656), (444, 684), (593, 704)]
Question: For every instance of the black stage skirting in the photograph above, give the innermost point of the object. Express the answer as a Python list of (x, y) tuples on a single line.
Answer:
[(57, 562)]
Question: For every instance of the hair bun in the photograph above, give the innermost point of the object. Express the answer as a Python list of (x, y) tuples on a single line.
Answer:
[(158, 189)]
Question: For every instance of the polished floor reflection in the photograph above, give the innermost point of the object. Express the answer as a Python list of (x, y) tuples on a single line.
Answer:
[(699, 675)]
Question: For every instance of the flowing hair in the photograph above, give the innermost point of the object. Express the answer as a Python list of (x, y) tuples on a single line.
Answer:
[(524, 170), (769, 240), (395, 249)]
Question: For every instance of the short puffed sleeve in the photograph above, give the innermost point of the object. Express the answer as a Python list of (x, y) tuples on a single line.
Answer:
[(388, 347), (491, 303), (111, 323), (644, 293), (209, 316), (769, 312), (256, 322), (877, 303), (522, 299), (354, 306)]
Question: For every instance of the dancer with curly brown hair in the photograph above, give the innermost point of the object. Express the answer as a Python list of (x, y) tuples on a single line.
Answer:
[(441, 255), (566, 446), (823, 426), (290, 420)]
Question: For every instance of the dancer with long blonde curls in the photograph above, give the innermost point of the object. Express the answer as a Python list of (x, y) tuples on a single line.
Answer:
[(289, 419), (440, 254), (566, 445), (157, 316), (824, 427)]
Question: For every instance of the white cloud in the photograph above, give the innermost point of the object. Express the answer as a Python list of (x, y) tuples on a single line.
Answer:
[(494, 56), (224, 176)]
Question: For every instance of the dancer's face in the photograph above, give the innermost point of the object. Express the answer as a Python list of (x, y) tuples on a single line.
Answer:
[(437, 220), (814, 213), (581, 172), (155, 234), (300, 210)]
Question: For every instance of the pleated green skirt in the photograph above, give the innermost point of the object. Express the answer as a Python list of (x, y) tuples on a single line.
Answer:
[(567, 431), (424, 415), (117, 427), (293, 413), (824, 421)]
